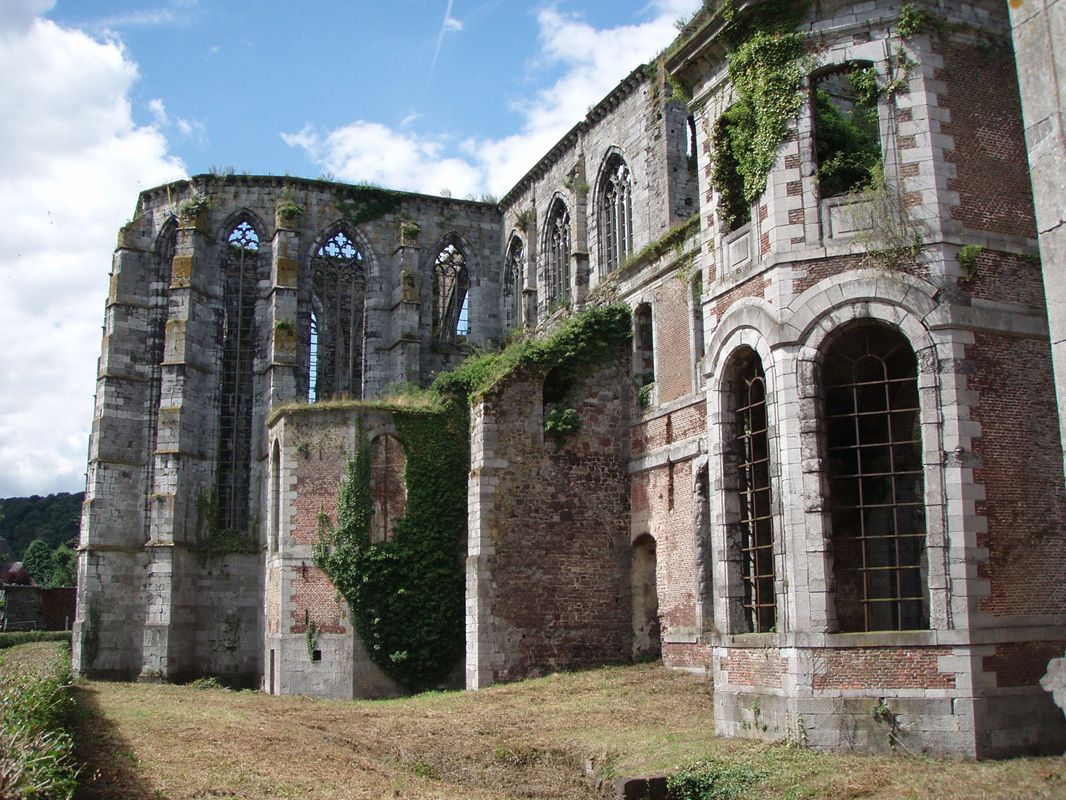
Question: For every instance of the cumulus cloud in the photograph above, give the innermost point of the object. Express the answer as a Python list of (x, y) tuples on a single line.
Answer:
[(593, 62), (71, 164), (371, 152)]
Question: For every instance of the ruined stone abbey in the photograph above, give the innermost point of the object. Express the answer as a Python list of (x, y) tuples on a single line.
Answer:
[(825, 471)]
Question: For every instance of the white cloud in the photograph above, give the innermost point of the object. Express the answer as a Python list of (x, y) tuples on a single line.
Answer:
[(186, 127), (71, 164), (594, 61), (368, 151)]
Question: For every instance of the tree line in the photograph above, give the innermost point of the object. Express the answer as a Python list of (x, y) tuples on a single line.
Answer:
[(42, 533)]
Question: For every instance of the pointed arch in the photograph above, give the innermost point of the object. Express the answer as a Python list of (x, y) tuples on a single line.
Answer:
[(557, 251), (241, 270), (614, 212), (514, 281), (338, 274), (451, 289)]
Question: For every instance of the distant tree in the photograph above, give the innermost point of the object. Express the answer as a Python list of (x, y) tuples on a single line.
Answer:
[(54, 518), (37, 561), (64, 567)]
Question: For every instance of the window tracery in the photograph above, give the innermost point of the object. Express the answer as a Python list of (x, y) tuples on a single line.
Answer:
[(338, 280), (240, 271), (558, 250), (451, 284), (513, 282), (616, 216)]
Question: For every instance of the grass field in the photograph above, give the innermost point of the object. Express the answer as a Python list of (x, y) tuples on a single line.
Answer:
[(527, 740)]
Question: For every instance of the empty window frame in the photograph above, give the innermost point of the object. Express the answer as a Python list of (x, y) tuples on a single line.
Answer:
[(616, 215), (239, 296), (729, 139), (513, 282), (754, 527), (338, 280), (451, 282), (876, 482), (846, 129), (558, 252)]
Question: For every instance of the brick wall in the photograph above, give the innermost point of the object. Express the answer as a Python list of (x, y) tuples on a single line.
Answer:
[(1022, 663), (556, 591), (762, 667), (881, 668), (989, 141), (1021, 470)]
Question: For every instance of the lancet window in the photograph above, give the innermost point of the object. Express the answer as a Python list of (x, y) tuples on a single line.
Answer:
[(451, 284), (339, 284), (616, 215)]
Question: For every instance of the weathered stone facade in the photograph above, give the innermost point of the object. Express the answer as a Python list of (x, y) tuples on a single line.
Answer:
[(827, 472)]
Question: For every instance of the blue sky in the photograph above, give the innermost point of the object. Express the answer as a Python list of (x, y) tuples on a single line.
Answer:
[(106, 98)]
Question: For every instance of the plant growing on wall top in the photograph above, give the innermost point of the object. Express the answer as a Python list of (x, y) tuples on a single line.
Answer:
[(365, 203)]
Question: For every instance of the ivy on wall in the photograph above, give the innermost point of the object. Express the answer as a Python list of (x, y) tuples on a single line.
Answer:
[(406, 595), (765, 69)]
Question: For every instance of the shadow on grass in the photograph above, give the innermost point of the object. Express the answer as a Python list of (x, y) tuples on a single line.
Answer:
[(108, 765)]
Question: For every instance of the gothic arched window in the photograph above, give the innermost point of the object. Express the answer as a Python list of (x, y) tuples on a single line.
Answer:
[(558, 250), (240, 274), (616, 215), (514, 275), (873, 446), (338, 280), (451, 282)]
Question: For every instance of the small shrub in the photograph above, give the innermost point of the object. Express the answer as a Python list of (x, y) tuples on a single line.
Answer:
[(708, 779)]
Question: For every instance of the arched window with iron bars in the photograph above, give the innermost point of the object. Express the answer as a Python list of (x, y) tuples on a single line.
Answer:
[(873, 449), (754, 529)]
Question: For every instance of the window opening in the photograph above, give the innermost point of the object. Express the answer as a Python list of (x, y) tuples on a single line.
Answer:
[(756, 526), (451, 283), (559, 254), (275, 490), (644, 357), (339, 285), (238, 367), (874, 452), (512, 288), (730, 141), (616, 216), (846, 129)]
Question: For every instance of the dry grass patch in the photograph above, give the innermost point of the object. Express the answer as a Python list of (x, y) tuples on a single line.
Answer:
[(527, 740)]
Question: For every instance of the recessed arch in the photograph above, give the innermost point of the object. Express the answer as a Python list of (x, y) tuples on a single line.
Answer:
[(557, 243), (338, 284), (614, 211), (514, 281), (451, 277)]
